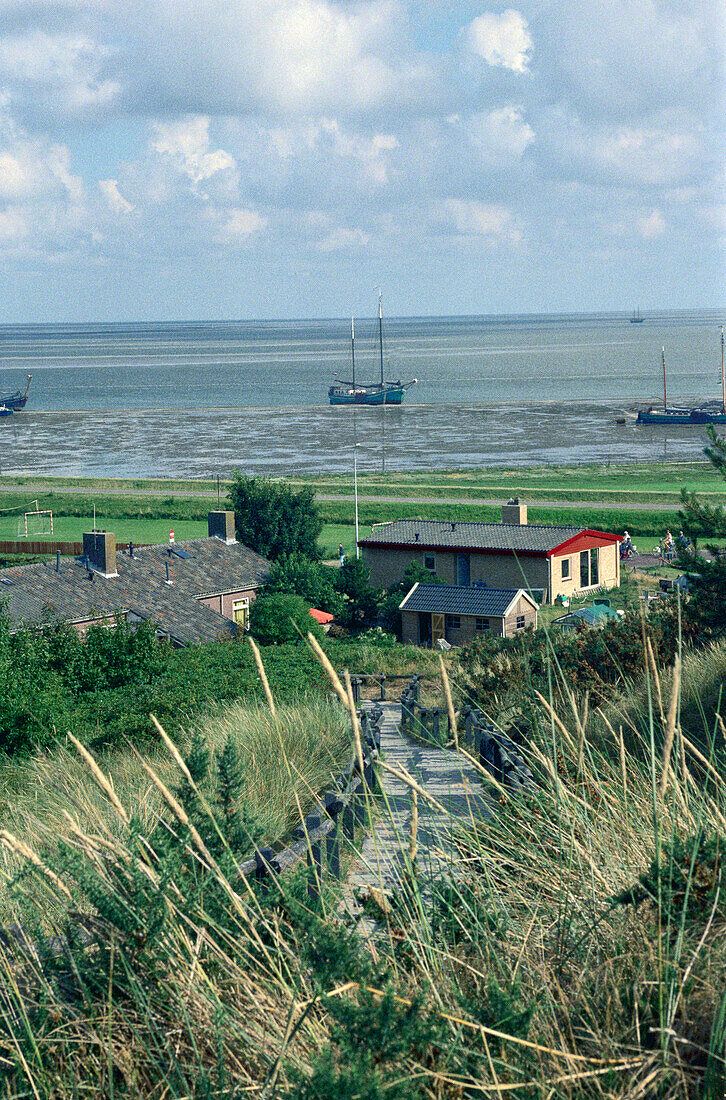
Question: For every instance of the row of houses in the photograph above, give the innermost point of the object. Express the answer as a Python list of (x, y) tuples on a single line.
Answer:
[(197, 590), (495, 576)]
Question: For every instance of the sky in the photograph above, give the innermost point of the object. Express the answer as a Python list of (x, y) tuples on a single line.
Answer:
[(229, 159)]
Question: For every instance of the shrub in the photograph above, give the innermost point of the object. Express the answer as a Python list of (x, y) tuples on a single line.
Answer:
[(296, 575), (278, 619)]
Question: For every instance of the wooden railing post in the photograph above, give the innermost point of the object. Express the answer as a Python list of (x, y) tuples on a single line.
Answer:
[(333, 806)]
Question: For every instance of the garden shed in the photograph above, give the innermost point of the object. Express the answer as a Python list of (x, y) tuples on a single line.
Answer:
[(458, 613)]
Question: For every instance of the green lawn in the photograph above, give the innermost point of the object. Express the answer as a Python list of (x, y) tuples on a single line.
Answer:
[(335, 533), (71, 528)]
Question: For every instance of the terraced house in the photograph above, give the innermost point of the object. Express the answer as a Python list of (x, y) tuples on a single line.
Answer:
[(198, 590), (546, 560)]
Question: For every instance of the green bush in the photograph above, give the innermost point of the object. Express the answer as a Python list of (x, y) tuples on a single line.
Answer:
[(275, 620), (296, 575)]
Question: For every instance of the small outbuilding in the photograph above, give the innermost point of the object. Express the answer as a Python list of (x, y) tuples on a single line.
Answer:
[(459, 613)]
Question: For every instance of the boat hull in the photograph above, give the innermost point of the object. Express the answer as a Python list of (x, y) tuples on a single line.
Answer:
[(681, 416), (392, 395), (14, 401)]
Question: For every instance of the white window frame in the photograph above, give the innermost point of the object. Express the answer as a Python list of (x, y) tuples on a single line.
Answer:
[(243, 605)]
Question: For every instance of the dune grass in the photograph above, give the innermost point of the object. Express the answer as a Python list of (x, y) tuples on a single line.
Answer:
[(576, 948)]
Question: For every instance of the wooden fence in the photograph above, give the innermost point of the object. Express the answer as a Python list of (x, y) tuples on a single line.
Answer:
[(495, 751), (40, 546), (341, 809)]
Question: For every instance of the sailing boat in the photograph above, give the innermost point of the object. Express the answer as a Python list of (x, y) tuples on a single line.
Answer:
[(368, 393), (637, 318), (17, 400), (710, 412)]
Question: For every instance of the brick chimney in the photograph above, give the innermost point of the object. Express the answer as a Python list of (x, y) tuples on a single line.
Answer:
[(221, 526), (99, 548), (514, 512)]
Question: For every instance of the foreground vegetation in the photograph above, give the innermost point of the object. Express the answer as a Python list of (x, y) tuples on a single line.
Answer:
[(577, 948)]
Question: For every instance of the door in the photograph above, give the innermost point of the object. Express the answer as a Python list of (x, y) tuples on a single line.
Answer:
[(463, 570), (438, 628), (424, 628), (585, 569)]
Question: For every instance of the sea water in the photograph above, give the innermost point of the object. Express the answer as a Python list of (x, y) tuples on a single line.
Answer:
[(194, 399)]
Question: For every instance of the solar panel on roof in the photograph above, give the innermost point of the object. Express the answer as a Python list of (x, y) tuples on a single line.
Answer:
[(4, 580)]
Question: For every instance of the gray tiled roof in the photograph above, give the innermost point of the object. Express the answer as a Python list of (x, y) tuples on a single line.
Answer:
[(434, 534), (445, 599), (38, 593)]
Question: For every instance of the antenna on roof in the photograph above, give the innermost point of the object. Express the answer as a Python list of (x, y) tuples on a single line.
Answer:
[(94, 515)]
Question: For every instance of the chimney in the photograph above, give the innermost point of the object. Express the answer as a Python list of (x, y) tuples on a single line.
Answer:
[(221, 526), (99, 550), (514, 512)]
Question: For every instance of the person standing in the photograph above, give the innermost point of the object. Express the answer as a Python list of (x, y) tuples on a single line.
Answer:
[(341, 554)]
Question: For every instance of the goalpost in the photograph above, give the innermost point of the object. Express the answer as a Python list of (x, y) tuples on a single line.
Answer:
[(37, 522)]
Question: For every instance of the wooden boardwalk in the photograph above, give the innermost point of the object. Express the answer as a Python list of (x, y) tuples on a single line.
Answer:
[(455, 796)]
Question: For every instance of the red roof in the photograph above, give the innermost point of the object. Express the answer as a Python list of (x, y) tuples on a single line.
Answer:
[(322, 617)]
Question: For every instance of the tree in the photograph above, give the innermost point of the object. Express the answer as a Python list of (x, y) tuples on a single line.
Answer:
[(707, 579), (361, 599), (273, 520), (275, 620), (296, 575), (415, 573)]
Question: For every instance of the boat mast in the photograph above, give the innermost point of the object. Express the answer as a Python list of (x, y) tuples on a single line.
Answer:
[(352, 348), (380, 330), (723, 377), (665, 394)]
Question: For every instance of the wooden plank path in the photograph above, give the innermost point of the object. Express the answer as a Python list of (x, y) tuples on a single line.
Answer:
[(447, 777)]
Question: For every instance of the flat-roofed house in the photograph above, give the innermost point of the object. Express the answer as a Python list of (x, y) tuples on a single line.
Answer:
[(547, 560), (195, 590), (458, 614)]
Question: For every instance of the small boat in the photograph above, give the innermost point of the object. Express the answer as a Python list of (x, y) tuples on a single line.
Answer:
[(709, 412), (17, 400), (6, 411), (368, 393), (637, 318)]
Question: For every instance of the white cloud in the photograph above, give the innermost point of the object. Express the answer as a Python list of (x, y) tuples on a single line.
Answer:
[(58, 74), (244, 223), (501, 40), (614, 58), (500, 136), (651, 225), (117, 203), (13, 226), (341, 238), (491, 221), (186, 145)]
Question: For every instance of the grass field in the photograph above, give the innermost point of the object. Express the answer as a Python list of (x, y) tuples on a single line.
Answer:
[(145, 509), (71, 528)]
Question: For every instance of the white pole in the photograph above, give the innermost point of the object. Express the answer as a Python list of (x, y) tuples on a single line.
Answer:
[(355, 487)]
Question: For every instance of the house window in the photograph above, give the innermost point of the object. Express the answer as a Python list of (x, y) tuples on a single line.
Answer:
[(585, 569), (565, 569), (594, 574), (482, 624), (430, 562), (520, 622), (453, 622), (241, 611), (464, 570)]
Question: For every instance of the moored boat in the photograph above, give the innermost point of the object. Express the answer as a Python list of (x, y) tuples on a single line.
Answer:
[(368, 393), (709, 412), (6, 411), (16, 400)]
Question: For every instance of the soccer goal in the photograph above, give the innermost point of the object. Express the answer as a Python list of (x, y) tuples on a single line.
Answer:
[(38, 522)]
